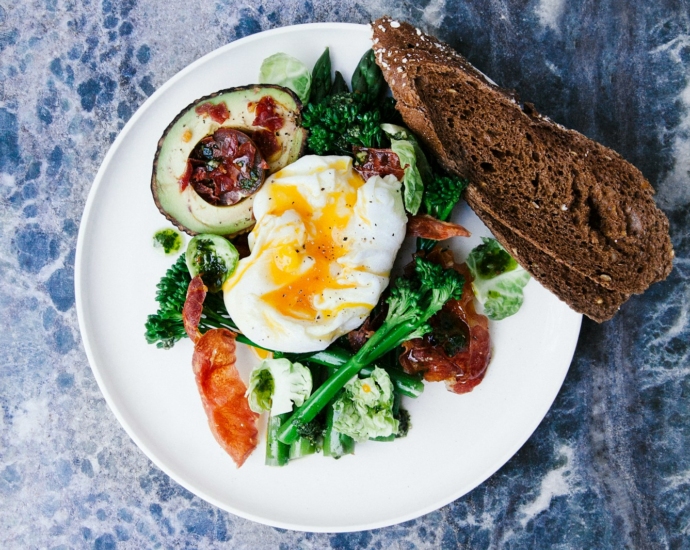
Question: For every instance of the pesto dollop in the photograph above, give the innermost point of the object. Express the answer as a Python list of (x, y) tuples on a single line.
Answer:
[(169, 240)]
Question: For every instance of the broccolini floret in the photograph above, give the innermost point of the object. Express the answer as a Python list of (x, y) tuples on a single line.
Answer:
[(442, 195), (344, 120)]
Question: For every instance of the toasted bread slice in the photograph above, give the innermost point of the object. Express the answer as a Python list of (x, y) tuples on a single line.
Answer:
[(572, 199)]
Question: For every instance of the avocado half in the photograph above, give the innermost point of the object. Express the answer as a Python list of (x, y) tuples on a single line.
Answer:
[(181, 204)]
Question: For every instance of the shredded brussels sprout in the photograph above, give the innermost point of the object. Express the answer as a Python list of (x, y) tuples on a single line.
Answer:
[(275, 384), (365, 408), (284, 70), (498, 279)]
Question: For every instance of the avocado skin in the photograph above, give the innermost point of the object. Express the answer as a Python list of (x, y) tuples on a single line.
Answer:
[(187, 210)]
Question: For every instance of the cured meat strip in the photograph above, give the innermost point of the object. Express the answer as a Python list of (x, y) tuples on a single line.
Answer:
[(427, 227), (193, 307), (222, 391)]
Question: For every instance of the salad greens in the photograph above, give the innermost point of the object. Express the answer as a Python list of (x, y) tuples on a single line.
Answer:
[(412, 180), (285, 70), (364, 410), (498, 279), (275, 384)]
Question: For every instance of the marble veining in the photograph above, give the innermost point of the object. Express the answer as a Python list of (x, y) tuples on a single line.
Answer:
[(610, 465)]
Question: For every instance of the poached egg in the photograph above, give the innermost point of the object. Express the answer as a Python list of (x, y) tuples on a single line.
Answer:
[(322, 250)]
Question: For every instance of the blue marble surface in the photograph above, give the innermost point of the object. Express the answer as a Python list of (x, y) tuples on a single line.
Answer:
[(610, 465)]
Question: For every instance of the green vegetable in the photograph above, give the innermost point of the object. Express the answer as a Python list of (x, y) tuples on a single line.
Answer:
[(302, 447), (396, 132), (285, 70), (213, 257), (403, 418), (277, 453), (365, 408), (311, 430), (412, 302), (368, 79), (418, 173), (342, 121), (498, 279), (166, 327), (335, 444), (275, 384), (321, 78), (407, 384), (412, 180), (339, 84), (440, 197)]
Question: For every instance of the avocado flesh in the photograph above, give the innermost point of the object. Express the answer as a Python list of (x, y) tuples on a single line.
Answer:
[(185, 208)]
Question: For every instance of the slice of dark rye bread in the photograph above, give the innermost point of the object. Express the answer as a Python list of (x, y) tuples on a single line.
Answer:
[(570, 198)]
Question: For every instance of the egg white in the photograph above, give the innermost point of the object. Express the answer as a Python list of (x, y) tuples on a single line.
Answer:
[(321, 254)]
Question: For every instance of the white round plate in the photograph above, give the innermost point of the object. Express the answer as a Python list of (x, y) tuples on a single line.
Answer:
[(456, 442)]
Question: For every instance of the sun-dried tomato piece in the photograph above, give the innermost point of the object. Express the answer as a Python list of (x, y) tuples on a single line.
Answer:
[(219, 112), (377, 162), (222, 391), (267, 142), (428, 227), (226, 167), (266, 115)]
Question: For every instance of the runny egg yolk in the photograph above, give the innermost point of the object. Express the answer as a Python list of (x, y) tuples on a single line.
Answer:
[(296, 293), (321, 254)]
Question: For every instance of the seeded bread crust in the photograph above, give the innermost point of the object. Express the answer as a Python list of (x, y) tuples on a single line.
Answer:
[(565, 195)]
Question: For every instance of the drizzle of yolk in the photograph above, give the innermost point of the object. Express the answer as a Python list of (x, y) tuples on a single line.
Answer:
[(366, 388), (296, 293)]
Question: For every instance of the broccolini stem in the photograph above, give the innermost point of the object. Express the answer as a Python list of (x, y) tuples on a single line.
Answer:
[(335, 443), (381, 342), (406, 384), (277, 453), (301, 447)]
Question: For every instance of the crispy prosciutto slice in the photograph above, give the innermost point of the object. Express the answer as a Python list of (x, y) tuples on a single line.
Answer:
[(193, 308), (232, 422), (458, 350), (428, 227)]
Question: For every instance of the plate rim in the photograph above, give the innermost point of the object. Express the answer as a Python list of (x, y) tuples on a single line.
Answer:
[(86, 220)]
